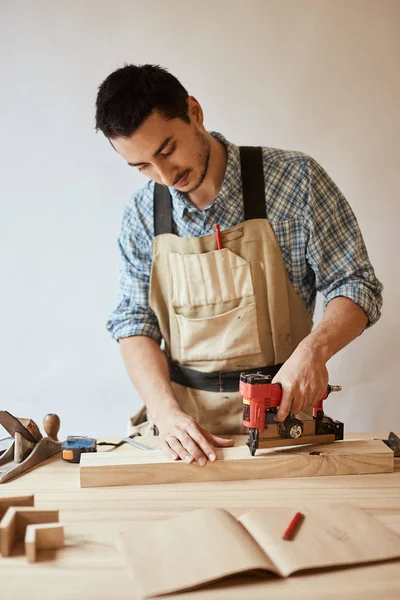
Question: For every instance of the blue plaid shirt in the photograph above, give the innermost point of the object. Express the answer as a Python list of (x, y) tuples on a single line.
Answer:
[(316, 230)]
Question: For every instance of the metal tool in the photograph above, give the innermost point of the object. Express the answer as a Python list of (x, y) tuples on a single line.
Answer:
[(393, 442), (261, 401), (133, 442), (127, 440), (28, 447), (5, 443)]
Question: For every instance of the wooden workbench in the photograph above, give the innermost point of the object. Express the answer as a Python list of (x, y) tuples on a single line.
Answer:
[(91, 566)]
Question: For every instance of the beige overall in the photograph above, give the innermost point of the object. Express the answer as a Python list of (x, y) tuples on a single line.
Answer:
[(223, 310)]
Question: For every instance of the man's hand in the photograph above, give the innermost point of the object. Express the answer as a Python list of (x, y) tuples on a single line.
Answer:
[(304, 376), (304, 379), (182, 437)]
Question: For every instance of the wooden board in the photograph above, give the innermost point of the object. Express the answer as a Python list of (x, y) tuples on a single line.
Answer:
[(233, 464)]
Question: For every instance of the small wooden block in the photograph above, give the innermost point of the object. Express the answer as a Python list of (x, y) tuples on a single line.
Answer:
[(328, 438), (14, 523), (17, 500), (43, 537), (8, 501)]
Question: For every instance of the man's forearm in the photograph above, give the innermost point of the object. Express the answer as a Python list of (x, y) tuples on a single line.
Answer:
[(147, 368), (304, 375), (342, 322)]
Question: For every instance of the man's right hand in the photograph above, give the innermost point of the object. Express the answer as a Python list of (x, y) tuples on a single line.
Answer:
[(182, 437)]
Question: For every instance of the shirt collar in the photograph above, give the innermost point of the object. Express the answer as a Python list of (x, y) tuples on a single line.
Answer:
[(232, 173)]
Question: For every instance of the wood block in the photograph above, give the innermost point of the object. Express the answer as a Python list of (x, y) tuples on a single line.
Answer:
[(327, 438), (17, 500), (21, 500), (47, 536), (233, 464), (14, 523)]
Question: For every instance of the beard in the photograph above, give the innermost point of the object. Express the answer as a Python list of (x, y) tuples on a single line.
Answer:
[(203, 159)]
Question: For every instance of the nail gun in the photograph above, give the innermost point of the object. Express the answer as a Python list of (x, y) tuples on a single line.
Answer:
[(261, 400)]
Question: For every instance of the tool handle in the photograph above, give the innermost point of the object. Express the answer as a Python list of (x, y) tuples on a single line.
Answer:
[(320, 406), (51, 424)]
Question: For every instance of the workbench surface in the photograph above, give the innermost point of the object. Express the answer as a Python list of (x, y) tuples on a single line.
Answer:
[(92, 565)]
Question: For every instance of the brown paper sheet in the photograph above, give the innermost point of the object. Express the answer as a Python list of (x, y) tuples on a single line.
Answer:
[(330, 536), (207, 545)]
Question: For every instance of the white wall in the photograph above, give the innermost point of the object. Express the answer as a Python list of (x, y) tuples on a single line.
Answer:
[(321, 76)]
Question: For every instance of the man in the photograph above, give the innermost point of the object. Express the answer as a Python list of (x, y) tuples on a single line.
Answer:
[(246, 303)]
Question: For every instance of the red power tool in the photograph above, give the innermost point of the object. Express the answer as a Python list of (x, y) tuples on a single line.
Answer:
[(261, 400)]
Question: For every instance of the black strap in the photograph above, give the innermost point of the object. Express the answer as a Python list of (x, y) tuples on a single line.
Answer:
[(162, 210), (252, 169), (253, 185), (227, 381)]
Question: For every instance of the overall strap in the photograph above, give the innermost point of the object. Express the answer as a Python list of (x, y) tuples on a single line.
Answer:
[(251, 162), (162, 210)]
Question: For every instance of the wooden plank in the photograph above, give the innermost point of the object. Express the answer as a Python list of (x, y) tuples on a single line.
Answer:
[(48, 536), (233, 464)]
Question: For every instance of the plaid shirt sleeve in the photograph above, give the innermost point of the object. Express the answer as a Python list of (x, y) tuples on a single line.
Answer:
[(336, 249), (132, 315)]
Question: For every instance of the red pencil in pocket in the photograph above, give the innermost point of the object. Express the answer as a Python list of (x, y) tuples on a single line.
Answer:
[(218, 236)]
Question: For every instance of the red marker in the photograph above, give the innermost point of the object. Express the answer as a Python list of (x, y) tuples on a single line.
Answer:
[(218, 236), (293, 526)]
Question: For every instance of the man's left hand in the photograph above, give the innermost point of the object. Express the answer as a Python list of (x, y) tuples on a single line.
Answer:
[(304, 380)]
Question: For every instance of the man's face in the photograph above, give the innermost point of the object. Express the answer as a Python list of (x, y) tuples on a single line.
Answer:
[(170, 152)]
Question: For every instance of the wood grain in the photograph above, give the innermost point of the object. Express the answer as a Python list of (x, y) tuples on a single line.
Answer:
[(235, 464)]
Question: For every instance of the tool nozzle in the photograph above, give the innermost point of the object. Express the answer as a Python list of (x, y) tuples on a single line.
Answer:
[(335, 388)]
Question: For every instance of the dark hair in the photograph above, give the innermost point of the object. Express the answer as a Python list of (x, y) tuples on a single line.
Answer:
[(128, 96)]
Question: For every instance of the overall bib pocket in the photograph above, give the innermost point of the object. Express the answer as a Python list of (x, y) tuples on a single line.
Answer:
[(214, 305)]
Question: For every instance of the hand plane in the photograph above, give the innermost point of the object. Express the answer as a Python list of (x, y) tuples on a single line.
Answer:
[(29, 447), (393, 442)]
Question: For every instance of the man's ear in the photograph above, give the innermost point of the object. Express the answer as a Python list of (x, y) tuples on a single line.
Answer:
[(195, 111)]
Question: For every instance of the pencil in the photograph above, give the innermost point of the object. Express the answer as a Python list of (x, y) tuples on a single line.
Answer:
[(218, 236), (293, 526)]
